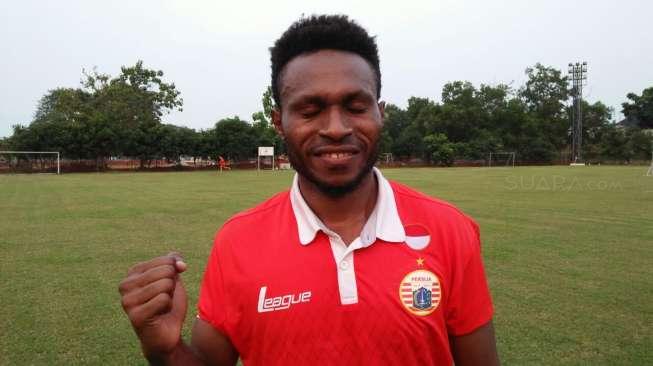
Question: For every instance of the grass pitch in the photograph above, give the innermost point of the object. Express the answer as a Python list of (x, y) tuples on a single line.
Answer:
[(568, 252)]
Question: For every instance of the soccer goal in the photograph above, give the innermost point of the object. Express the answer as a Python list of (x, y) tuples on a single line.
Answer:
[(502, 159), (30, 162)]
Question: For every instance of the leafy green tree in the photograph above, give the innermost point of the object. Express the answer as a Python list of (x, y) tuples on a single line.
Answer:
[(438, 149), (5, 144), (409, 144), (461, 114), (395, 120), (640, 108), (263, 128), (640, 143), (175, 141), (615, 144), (545, 93), (596, 119), (234, 139), (60, 117), (131, 106)]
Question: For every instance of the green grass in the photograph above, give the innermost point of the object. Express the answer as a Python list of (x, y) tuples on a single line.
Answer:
[(568, 252)]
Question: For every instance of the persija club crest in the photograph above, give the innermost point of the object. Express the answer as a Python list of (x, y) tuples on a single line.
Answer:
[(420, 292)]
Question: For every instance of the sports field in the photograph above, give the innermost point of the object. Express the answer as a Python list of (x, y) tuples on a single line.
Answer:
[(568, 251)]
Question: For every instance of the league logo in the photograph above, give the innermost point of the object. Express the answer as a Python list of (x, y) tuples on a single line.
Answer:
[(420, 292)]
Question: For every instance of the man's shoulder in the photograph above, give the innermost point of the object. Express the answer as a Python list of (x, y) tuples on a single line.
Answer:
[(261, 213), (413, 204)]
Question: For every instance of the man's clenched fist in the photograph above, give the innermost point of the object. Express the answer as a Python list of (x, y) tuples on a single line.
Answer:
[(155, 302)]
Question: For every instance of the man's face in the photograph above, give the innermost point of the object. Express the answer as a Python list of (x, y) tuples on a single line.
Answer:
[(330, 118)]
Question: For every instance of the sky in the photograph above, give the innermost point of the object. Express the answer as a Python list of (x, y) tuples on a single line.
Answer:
[(216, 52)]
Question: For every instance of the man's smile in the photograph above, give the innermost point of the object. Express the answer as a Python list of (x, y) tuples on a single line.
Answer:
[(336, 155)]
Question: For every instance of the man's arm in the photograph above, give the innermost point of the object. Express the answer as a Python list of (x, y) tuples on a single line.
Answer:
[(154, 299), (476, 348), (208, 347)]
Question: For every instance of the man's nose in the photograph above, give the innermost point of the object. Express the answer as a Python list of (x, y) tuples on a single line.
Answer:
[(336, 125)]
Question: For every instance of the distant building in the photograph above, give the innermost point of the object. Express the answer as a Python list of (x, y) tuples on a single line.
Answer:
[(628, 122)]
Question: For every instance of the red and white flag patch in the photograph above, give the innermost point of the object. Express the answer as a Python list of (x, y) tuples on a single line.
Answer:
[(417, 236)]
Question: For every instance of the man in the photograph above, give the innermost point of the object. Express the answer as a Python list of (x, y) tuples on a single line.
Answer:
[(346, 267)]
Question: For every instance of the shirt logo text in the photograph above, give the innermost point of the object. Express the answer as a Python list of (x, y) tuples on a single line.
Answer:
[(280, 302)]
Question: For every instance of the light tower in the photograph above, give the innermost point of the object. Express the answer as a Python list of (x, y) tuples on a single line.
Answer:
[(578, 74)]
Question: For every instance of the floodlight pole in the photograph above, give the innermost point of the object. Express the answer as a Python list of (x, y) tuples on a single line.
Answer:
[(578, 74)]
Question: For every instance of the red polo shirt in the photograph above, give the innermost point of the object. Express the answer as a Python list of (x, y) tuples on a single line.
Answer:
[(287, 291)]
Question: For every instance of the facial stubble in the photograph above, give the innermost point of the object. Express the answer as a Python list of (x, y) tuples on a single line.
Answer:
[(330, 190)]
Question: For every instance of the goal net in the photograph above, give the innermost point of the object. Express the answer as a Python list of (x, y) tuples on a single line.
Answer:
[(502, 159), (387, 158), (30, 162)]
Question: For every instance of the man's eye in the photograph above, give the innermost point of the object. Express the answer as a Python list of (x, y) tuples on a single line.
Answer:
[(357, 108), (309, 112)]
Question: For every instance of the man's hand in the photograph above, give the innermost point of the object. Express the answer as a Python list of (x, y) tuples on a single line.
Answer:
[(154, 299)]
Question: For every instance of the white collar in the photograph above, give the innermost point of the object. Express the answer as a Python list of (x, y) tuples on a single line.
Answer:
[(384, 222)]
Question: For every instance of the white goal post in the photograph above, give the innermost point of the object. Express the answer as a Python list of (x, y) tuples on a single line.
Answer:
[(5, 156), (649, 173), (502, 158), (264, 151)]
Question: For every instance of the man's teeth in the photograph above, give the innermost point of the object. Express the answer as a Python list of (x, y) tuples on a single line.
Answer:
[(337, 155)]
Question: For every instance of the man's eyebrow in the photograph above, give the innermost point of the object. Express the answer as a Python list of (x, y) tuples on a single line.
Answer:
[(320, 100), (359, 94), (308, 99)]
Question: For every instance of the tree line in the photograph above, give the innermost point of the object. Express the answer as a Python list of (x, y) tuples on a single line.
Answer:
[(534, 121), (122, 116)]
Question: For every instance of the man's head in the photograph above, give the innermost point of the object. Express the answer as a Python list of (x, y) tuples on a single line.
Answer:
[(336, 32), (326, 83)]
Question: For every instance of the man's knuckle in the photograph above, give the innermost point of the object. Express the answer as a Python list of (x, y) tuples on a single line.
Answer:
[(170, 271), (167, 284), (163, 298)]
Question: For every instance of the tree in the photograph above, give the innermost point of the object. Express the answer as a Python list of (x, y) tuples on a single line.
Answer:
[(461, 114), (5, 144), (233, 138), (545, 94), (596, 120), (640, 109), (265, 132), (131, 106), (61, 116), (409, 143), (438, 149), (640, 143), (546, 91), (614, 144), (395, 120)]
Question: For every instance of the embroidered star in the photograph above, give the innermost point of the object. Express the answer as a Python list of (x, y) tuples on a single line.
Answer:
[(420, 262)]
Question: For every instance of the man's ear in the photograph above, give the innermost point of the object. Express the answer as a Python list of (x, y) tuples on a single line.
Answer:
[(276, 121), (381, 105)]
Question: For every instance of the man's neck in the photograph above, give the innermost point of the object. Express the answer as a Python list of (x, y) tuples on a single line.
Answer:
[(346, 215)]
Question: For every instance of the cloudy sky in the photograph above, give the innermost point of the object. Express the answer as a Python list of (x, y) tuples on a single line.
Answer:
[(216, 52)]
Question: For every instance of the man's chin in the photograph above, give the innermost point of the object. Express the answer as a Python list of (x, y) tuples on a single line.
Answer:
[(337, 191), (336, 188)]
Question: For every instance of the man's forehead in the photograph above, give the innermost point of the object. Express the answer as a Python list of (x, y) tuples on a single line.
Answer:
[(327, 70)]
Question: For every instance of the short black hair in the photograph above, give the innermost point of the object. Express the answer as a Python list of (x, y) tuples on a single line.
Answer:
[(320, 32)]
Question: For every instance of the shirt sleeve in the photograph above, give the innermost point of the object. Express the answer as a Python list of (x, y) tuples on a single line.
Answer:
[(212, 301), (470, 304)]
